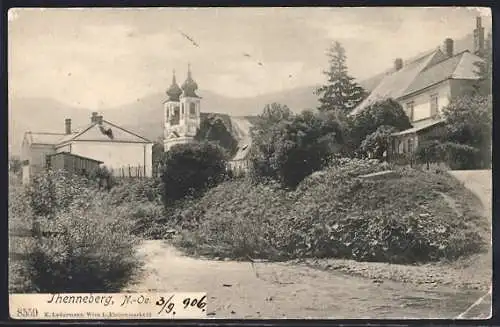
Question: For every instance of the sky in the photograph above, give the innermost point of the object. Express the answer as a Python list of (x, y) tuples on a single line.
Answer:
[(106, 57)]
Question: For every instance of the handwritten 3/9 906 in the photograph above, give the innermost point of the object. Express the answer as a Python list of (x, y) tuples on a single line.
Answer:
[(167, 305)]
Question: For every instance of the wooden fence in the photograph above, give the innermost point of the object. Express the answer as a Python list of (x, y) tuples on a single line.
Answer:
[(129, 172)]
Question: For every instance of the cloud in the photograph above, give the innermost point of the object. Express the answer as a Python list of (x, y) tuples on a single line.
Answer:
[(107, 57)]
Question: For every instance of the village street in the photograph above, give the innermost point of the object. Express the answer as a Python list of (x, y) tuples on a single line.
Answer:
[(281, 290)]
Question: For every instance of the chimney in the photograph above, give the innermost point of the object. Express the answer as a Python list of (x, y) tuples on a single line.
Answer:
[(398, 64), (448, 47), (93, 119), (67, 124), (479, 38), (99, 119)]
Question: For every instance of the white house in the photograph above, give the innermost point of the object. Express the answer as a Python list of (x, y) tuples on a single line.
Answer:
[(99, 140)]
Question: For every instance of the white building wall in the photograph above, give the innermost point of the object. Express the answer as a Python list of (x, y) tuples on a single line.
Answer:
[(36, 156), (116, 155), (422, 101), (64, 148)]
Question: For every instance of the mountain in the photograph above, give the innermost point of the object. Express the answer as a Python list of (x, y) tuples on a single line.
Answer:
[(145, 116), (40, 115)]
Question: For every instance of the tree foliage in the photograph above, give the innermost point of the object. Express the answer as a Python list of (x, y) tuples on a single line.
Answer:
[(340, 93), (271, 115), (189, 169), (290, 149), (213, 129), (382, 113), (376, 143), (469, 122)]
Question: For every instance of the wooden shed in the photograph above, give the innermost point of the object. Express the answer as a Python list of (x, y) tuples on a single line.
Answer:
[(72, 163)]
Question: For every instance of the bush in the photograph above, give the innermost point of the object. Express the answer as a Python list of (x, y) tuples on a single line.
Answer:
[(334, 213), (236, 219), (461, 156), (54, 191), (190, 169), (102, 177), (136, 190), (377, 143), (469, 122), (92, 249), (289, 150), (454, 155)]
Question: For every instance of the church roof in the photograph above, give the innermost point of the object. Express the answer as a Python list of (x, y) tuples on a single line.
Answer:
[(189, 86), (174, 91)]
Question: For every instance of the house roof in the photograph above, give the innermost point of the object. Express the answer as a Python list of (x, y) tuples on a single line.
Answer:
[(89, 132), (74, 155), (394, 84), (97, 132), (43, 138), (421, 72), (419, 126), (241, 128), (460, 66)]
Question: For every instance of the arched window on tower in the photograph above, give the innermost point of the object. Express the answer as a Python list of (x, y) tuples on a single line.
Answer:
[(182, 108), (174, 120), (192, 109)]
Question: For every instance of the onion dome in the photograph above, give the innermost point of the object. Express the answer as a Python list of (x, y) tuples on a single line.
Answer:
[(189, 86), (174, 91)]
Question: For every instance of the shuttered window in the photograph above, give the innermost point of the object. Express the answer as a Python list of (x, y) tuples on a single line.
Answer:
[(434, 105)]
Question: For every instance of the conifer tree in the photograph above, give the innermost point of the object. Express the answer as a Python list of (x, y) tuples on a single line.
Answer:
[(341, 93)]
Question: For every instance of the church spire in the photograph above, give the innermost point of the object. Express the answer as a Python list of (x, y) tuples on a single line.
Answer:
[(189, 87), (174, 91)]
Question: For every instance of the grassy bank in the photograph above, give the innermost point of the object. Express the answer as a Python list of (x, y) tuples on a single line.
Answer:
[(91, 247), (417, 217)]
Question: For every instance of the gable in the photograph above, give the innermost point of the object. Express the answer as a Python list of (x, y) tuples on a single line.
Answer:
[(395, 84), (105, 132), (460, 66)]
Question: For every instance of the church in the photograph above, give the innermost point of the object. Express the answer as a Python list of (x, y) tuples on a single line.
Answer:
[(183, 120), (182, 112)]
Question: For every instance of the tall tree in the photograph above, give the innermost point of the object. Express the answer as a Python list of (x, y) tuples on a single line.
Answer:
[(340, 93)]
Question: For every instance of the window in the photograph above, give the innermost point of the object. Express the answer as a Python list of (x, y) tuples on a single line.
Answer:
[(409, 110), (183, 108), (192, 109), (410, 145), (434, 105), (174, 120)]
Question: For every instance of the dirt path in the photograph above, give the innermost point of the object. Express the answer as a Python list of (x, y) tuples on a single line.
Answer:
[(284, 290), (279, 290), (479, 182)]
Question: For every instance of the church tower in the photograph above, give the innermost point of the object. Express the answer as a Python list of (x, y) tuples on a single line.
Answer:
[(182, 112)]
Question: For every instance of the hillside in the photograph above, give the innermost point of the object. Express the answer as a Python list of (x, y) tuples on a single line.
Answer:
[(145, 116), (40, 115)]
